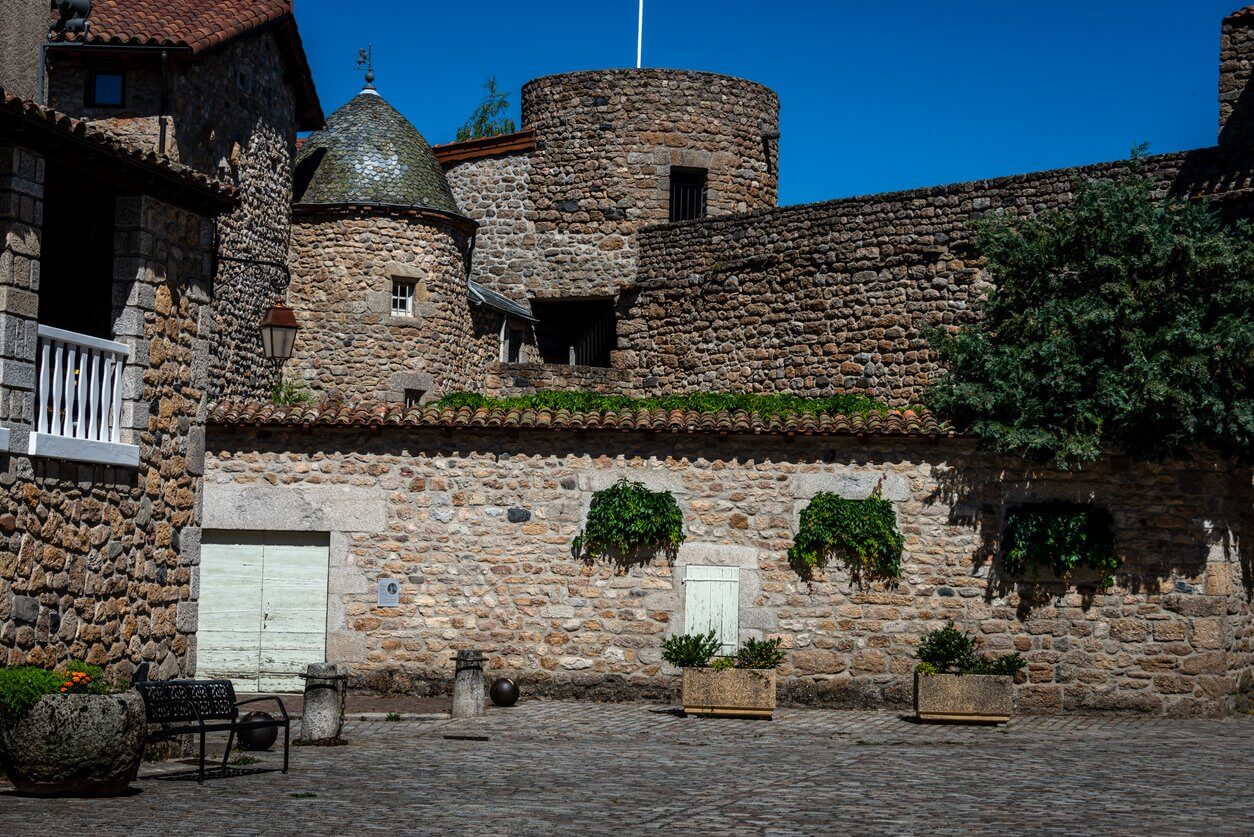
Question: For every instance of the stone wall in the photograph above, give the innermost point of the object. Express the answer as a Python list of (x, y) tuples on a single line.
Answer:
[(496, 192), (478, 527), (1236, 65), (838, 296), (230, 114), (350, 346), (561, 220), (99, 562)]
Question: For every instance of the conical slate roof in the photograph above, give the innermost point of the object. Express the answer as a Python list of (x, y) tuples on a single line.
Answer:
[(370, 153)]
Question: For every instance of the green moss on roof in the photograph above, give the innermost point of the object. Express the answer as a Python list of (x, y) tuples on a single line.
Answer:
[(370, 153)]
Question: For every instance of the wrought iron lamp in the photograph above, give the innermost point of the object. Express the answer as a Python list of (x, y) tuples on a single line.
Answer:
[(278, 332)]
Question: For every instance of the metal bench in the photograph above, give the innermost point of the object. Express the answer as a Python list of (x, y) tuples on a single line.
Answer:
[(185, 707)]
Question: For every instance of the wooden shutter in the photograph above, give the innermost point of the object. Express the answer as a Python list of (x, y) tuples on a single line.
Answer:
[(712, 602)]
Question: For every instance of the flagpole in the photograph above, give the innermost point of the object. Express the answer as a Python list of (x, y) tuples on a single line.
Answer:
[(640, 35)]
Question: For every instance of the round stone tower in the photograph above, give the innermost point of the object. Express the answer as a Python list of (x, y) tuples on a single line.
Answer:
[(379, 249), (617, 150)]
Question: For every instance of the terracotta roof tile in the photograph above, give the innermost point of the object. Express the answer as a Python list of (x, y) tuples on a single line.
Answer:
[(195, 24), (47, 118), (892, 423)]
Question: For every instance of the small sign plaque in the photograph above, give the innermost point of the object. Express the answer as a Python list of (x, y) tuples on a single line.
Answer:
[(389, 592)]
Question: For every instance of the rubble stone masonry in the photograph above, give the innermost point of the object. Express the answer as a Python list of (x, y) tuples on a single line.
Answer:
[(839, 296), (98, 562), (231, 114), (478, 526), (351, 347)]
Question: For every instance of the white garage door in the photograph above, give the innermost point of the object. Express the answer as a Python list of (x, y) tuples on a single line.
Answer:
[(263, 608)]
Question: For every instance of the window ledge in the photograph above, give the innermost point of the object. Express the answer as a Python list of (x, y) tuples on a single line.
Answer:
[(84, 450), (4, 440)]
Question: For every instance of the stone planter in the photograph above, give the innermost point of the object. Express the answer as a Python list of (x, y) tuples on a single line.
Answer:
[(964, 698), (739, 692), (75, 745)]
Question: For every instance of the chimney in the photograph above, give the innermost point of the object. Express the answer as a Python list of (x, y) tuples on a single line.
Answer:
[(24, 32)]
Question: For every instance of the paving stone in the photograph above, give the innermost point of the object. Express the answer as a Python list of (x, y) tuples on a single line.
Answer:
[(571, 768)]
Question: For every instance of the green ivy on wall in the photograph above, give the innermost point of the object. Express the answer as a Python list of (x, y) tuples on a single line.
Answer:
[(862, 534), (1059, 538), (628, 523)]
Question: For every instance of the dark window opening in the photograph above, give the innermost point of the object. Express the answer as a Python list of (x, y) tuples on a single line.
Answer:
[(76, 261), (106, 89), (687, 193), (413, 397), (514, 339), (575, 332)]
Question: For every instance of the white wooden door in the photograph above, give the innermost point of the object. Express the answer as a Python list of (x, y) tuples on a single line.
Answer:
[(712, 602), (263, 604), (228, 639)]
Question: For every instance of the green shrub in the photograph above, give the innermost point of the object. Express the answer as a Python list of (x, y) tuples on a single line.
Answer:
[(1060, 537), (1119, 320), (948, 650), (690, 650), (760, 654), (862, 534), (704, 402), (22, 687), (290, 393), (628, 522), (723, 664)]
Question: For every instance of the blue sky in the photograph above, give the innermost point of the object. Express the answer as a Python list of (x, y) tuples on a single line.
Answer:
[(874, 96)]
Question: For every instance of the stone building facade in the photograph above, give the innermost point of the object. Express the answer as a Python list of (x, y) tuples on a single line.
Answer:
[(99, 538), (477, 526), (228, 104)]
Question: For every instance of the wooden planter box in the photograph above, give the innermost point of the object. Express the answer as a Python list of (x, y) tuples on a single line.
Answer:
[(964, 698), (737, 692)]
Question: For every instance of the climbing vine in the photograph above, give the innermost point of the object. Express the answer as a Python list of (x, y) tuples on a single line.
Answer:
[(629, 523), (1060, 538), (862, 534)]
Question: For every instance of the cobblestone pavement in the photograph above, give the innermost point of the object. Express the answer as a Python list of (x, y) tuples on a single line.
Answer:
[(571, 768)]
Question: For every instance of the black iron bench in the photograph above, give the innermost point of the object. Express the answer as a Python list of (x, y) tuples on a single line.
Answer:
[(185, 707)]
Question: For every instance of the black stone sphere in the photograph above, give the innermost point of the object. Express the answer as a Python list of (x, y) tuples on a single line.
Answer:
[(504, 692), (261, 738)]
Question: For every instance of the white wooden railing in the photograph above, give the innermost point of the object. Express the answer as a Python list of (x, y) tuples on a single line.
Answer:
[(78, 398)]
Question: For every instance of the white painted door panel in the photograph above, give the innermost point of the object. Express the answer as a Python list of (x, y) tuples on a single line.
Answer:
[(228, 640), (712, 602), (263, 604), (294, 609)]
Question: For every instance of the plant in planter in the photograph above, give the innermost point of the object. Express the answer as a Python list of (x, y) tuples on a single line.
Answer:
[(1060, 538), (630, 524), (69, 732), (861, 534), (742, 686), (954, 682)]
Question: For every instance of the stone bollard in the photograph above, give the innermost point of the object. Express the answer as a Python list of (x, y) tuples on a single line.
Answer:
[(323, 716), (468, 685)]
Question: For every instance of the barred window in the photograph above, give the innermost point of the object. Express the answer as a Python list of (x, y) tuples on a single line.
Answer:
[(402, 299), (687, 193)]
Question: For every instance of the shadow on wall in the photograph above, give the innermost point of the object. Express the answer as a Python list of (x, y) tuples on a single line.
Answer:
[(1156, 545)]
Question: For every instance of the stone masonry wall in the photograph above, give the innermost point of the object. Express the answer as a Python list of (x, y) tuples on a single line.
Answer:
[(837, 296), (231, 115), (478, 528), (1236, 67), (99, 562), (350, 346), (605, 144), (495, 191)]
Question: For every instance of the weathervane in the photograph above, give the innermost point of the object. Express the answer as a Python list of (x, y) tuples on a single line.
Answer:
[(365, 58)]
